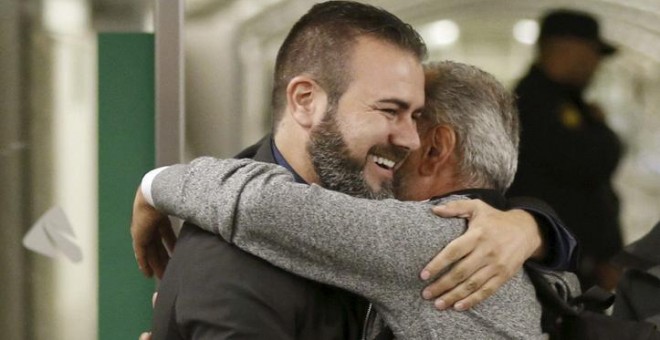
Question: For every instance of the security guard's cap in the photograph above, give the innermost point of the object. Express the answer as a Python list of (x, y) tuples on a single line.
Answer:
[(570, 23)]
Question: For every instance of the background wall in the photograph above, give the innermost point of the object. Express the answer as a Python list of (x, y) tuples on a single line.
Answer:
[(13, 200)]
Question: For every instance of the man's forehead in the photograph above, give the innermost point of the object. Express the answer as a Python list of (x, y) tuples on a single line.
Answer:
[(386, 71)]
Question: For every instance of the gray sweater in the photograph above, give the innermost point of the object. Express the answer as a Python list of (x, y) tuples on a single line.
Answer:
[(373, 248)]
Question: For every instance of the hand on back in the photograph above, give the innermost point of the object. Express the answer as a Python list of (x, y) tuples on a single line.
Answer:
[(492, 250)]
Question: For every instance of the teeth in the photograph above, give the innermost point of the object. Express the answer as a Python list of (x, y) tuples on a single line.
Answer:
[(384, 162)]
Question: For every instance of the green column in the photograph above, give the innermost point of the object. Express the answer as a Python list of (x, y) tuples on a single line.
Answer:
[(126, 152)]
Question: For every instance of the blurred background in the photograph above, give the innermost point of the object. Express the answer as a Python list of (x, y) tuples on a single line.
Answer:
[(48, 114)]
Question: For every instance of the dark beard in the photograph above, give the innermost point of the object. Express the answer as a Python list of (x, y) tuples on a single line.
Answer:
[(400, 184), (336, 169)]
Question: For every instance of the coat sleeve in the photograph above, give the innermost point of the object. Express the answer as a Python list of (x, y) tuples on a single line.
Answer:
[(561, 243), (368, 247)]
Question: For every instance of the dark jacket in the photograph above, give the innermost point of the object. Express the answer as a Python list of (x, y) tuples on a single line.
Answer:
[(567, 158), (213, 290), (638, 296), (638, 291)]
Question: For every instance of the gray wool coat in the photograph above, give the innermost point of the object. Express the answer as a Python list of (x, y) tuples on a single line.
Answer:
[(373, 248)]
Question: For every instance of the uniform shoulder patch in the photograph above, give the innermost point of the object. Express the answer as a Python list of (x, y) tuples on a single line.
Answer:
[(570, 116)]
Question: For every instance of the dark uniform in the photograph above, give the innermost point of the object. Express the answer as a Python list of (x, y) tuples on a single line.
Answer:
[(567, 158)]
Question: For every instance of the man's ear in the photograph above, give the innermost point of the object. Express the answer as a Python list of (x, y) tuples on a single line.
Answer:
[(306, 100), (441, 145)]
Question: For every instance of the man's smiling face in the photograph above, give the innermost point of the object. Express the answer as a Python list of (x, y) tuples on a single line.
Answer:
[(363, 140)]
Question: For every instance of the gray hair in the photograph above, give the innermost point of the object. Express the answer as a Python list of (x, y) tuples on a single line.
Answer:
[(484, 116)]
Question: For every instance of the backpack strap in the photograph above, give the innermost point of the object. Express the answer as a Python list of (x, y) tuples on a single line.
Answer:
[(595, 299), (567, 313), (553, 293), (561, 291)]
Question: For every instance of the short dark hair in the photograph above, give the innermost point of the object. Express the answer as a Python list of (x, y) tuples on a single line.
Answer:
[(320, 43)]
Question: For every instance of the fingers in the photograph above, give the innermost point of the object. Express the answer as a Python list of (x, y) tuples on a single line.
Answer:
[(461, 280), (462, 287), (142, 259), (162, 242), (153, 258), (485, 291), (490, 252), (157, 258), (141, 238), (167, 234), (462, 208), (464, 290), (162, 260), (454, 251), (149, 228), (472, 290)]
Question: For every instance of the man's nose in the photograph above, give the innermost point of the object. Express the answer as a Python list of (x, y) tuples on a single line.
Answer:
[(405, 134)]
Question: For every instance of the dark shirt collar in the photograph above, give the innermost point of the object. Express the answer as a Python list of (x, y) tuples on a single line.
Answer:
[(279, 159), (493, 197)]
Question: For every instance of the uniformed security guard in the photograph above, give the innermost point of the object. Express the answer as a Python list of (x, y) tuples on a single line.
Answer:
[(567, 152)]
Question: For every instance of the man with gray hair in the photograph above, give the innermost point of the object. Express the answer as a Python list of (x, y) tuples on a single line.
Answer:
[(469, 139), (484, 121)]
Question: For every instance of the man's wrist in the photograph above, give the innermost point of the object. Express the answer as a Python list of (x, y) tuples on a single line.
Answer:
[(560, 245), (145, 185), (536, 236), (540, 251)]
